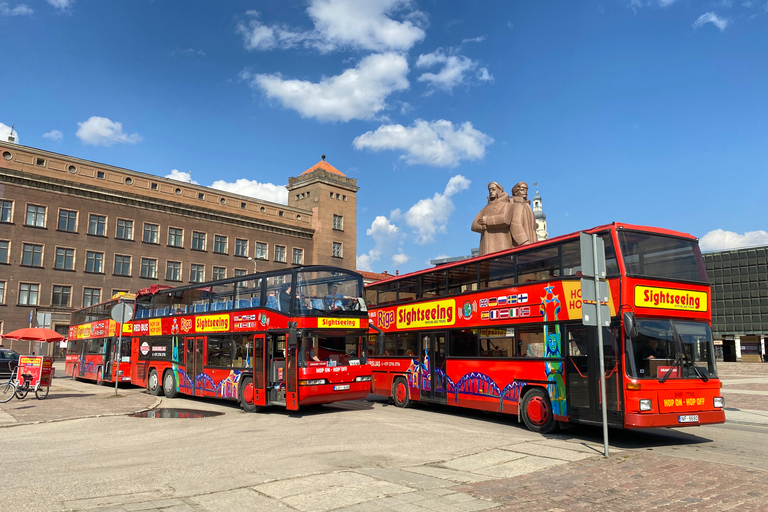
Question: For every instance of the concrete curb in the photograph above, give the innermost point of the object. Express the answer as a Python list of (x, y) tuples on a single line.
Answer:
[(158, 401)]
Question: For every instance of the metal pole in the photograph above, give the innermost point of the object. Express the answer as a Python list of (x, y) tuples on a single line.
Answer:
[(116, 364), (600, 347)]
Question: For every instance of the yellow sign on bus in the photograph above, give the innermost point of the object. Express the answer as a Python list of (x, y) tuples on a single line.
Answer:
[(670, 298), (430, 314), (342, 323)]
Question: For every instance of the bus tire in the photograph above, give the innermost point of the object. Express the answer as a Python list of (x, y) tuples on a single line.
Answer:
[(153, 383), (244, 392), (536, 411), (400, 393), (100, 377), (169, 385)]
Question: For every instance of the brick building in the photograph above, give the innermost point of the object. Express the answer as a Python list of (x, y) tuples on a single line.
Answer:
[(75, 232), (739, 280)]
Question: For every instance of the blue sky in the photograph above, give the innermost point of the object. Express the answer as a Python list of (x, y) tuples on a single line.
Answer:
[(651, 112)]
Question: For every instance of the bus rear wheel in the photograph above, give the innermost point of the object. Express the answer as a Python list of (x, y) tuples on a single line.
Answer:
[(169, 385), (537, 412), (153, 383), (400, 393), (246, 396)]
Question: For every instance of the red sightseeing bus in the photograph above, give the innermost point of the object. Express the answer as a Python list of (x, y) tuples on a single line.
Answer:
[(252, 339), (92, 348), (503, 332)]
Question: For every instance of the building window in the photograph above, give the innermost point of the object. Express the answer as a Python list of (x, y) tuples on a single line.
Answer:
[(280, 253), (241, 247), (67, 221), (175, 237), (337, 250), (261, 251), (35, 216), (91, 296), (338, 222), (151, 233), (6, 211), (100, 175), (32, 255), (94, 262), (153, 186), (124, 229), (4, 245), (122, 265), (61, 295), (198, 241), (2, 292), (238, 272), (97, 225), (196, 273), (28, 294), (65, 259), (173, 271), (220, 244), (219, 273), (298, 256), (149, 268)]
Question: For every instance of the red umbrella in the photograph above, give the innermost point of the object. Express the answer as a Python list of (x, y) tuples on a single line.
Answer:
[(34, 334)]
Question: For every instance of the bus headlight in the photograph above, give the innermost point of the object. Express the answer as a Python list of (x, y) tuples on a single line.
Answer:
[(313, 382), (646, 405), (718, 402), (363, 378)]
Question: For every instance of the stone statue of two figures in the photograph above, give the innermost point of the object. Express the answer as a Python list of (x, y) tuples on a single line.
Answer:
[(505, 222)]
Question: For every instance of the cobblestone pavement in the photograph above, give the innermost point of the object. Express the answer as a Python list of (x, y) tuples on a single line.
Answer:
[(629, 482)]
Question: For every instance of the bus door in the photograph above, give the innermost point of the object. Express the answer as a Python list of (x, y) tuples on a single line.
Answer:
[(583, 375), (260, 378), (84, 345), (194, 363), (432, 380), (292, 371), (109, 346)]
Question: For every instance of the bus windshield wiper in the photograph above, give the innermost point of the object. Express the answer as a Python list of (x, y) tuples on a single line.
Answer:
[(696, 369), (677, 363)]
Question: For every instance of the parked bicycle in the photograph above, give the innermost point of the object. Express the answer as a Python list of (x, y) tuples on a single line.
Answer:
[(20, 390)]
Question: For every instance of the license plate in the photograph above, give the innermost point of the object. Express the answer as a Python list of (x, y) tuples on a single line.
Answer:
[(342, 387), (689, 418)]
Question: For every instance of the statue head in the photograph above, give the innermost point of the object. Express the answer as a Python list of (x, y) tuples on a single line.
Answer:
[(520, 190), (494, 191)]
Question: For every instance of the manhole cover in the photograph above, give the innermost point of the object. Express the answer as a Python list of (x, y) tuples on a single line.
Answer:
[(175, 413)]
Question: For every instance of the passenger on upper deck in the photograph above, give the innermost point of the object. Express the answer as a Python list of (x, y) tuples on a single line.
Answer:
[(331, 300)]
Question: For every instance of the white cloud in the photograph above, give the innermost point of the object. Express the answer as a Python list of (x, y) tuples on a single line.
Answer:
[(721, 240), (400, 259), (453, 72), (368, 25), (252, 188), (181, 176), (101, 131), (666, 3), (430, 216), (712, 18), (62, 5), (19, 10), (385, 235), (435, 143), (53, 135), (357, 93), (5, 131)]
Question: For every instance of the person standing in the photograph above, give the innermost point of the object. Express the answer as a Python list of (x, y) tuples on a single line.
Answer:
[(523, 224), (493, 221)]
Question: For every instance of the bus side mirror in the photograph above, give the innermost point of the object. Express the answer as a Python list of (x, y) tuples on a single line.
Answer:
[(630, 325)]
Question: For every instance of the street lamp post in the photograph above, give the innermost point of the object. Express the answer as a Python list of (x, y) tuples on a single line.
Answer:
[(254, 263)]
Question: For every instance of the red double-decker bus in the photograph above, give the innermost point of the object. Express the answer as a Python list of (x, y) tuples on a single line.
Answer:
[(503, 332), (287, 338), (92, 348)]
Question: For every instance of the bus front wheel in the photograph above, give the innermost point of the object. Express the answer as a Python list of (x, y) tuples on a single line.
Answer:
[(169, 385), (246, 396), (537, 412), (153, 383), (400, 393)]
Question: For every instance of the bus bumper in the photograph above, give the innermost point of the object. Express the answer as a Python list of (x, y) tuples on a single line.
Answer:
[(635, 420)]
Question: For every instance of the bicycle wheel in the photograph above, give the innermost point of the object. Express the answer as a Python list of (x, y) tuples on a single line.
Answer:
[(21, 391), (42, 392), (7, 390)]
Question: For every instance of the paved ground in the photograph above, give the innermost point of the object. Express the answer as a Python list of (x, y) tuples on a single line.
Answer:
[(529, 473)]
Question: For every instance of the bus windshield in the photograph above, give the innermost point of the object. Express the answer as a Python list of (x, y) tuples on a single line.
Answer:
[(662, 257), (685, 347), (321, 291)]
